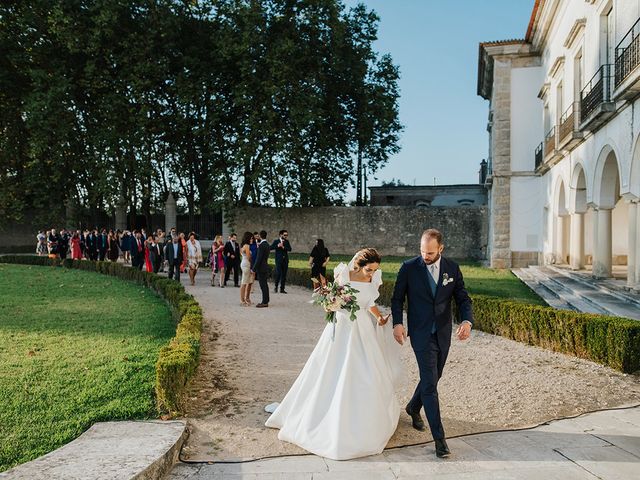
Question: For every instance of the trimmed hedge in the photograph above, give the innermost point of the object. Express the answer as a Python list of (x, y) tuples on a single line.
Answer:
[(177, 361), (19, 249), (611, 341)]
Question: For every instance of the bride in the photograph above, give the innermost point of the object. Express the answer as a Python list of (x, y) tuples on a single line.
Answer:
[(343, 403)]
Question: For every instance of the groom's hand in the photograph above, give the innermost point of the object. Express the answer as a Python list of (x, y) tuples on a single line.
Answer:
[(399, 333), (464, 330)]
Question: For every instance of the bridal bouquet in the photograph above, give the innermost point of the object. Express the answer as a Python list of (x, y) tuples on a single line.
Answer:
[(333, 297)]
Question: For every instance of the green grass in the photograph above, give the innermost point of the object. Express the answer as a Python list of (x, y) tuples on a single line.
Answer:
[(478, 280), (75, 348)]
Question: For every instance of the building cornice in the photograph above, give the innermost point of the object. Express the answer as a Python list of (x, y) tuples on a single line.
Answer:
[(575, 31), (486, 53), (557, 65), (542, 94)]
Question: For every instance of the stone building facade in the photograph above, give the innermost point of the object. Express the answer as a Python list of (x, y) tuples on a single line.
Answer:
[(564, 138)]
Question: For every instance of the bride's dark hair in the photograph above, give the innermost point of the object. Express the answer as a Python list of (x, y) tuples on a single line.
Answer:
[(366, 256)]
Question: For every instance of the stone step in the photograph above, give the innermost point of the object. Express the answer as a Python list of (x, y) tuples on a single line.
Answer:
[(583, 295), (109, 450), (606, 286), (568, 295), (549, 296)]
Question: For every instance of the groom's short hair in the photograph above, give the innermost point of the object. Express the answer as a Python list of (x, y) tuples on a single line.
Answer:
[(433, 233), (263, 234)]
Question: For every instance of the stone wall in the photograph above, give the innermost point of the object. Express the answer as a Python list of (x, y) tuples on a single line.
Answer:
[(391, 230)]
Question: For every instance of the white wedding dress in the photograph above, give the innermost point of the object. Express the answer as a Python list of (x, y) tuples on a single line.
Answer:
[(343, 403)]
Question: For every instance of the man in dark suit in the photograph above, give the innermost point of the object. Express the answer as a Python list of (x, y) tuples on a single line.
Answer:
[(430, 282), (103, 245), (282, 248), (137, 250), (261, 268), (92, 245), (173, 255), (231, 254), (63, 243)]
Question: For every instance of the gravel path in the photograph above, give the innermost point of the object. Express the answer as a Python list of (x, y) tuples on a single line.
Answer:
[(250, 358)]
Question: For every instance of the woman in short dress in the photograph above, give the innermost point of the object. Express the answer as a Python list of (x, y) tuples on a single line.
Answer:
[(318, 260), (217, 260), (41, 246), (194, 256), (245, 267)]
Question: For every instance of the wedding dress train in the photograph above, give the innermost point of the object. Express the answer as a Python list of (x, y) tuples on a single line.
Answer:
[(343, 403)]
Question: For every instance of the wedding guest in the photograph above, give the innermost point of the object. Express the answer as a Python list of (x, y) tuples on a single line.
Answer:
[(83, 238), (262, 269), (318, 260), (183, 242), (113, 246), (148, 255), (216, 259), (63, 243), (245, 267), (41, 245), (137, 251), (232, 259), (194, 252), (92, 244), (158, 250), (173, 254), (160, 240), (125, 245), (76, 251), (52, 242), (282, 248), (254, 248), (103, 244)]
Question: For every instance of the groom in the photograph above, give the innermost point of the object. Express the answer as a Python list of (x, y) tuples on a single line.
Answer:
[(429, 282)]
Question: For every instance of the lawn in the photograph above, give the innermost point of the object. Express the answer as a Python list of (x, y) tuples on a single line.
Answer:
[(478, 280), (75, 348)]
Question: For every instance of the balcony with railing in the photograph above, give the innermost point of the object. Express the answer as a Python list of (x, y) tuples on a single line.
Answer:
[(551, 151), (596, 105), (538, 155), (627, 73), (569, 133)]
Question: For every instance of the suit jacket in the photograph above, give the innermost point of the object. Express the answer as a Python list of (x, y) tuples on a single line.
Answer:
[(103, 241), (168, 253), (92, 242), (282, 253), (229, 250), (423, 308), (262, 258)]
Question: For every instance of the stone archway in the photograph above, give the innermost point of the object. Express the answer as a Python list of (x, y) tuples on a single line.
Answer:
[(633, 264), (578, 211), (611, 217)]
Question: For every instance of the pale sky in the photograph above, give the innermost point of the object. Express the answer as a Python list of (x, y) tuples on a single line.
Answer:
[(435, 44)]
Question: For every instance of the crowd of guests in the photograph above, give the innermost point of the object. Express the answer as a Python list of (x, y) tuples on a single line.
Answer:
[(180, 253)]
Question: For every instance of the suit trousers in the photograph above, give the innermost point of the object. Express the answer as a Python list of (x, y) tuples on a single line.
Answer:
[(282, 267), (430, 364), (174, 269), (231, 263), (264, 286)]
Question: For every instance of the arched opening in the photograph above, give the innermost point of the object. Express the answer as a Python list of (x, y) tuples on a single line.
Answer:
[(610, 237), (581, 220)]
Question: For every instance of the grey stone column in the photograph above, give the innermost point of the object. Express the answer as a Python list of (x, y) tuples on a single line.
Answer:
[(632, 255), (602, 249), (121, 214), (170, 213), (576, 254)]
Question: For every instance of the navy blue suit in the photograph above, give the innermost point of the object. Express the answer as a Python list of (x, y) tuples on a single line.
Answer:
[(429, 323)]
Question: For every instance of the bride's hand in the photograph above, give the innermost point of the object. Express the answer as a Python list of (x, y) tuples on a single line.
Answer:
[(383, 320)]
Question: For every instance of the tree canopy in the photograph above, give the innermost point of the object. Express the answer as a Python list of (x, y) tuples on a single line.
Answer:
[(225, 102)]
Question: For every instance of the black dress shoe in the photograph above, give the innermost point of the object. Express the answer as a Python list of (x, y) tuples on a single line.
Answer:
[(262, 305), (442, 449), (416, 419), (282, 291)]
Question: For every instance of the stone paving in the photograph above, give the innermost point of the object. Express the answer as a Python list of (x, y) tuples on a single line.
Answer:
[(603, 445)]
